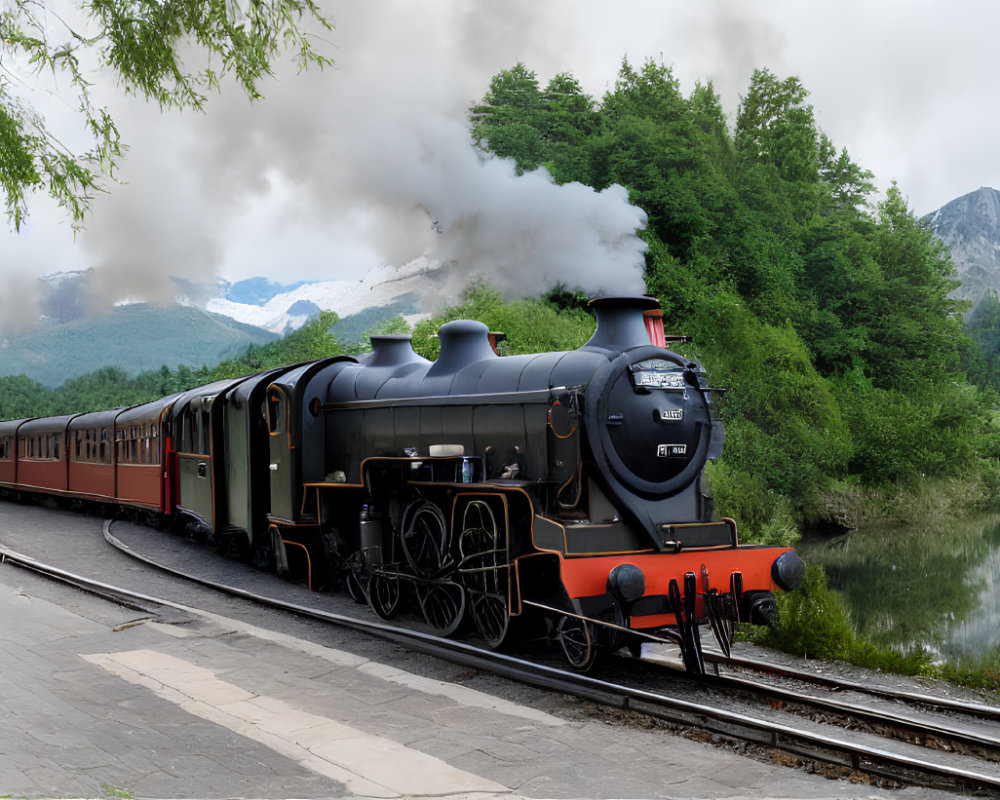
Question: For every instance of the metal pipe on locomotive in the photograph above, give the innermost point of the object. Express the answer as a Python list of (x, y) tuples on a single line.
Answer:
[(561, 488)]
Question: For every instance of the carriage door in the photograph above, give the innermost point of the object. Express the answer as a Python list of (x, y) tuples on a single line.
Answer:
[(194, 460), (284, 492)]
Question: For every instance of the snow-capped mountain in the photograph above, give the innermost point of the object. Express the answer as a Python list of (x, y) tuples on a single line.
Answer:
[(291, 309)]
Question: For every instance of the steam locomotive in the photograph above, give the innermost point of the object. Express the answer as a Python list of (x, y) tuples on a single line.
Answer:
[(559, 491)]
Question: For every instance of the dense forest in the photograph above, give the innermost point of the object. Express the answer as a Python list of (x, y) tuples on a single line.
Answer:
[(823, 308)]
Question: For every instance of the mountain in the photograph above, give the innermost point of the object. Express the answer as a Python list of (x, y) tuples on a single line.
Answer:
[(136, 338), (62, 298), (71, 340), (256, 291), (970, 227), (400, 287)]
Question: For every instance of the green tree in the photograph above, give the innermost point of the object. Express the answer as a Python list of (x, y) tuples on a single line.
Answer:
[(917, 330), (106, 388), (849, 186), (775, 127), (21, 397), (312, 341), (509, 121), (981, 361), (531, 325), (840, 277), (570, 119), (666, 151), (142, 42), (516, 119)]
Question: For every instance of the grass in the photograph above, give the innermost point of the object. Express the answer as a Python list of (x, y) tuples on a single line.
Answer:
[(854, 505)]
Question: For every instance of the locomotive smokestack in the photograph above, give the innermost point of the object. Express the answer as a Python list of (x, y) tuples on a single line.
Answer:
[(620, 322)]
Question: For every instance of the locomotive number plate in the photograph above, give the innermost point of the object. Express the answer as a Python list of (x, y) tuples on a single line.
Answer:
[(657, 373), (668, 450)]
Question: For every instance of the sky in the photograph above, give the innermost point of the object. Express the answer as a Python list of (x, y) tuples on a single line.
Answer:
[(369, 162)]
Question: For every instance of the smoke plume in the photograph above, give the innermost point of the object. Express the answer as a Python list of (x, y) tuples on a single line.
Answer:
[(367, 163)]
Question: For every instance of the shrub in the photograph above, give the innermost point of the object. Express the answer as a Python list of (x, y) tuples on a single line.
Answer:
[(762, 516), (814, 621)]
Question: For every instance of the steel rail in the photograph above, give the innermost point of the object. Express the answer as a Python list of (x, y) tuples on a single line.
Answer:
[(733, 725), (870, 715), (842, 684)]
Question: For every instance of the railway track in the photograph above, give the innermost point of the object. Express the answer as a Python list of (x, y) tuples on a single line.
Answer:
[(948, 729), (915, 749), (734, 666), (934, 721)]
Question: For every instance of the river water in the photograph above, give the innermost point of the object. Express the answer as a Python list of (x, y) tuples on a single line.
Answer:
[(935, 586)]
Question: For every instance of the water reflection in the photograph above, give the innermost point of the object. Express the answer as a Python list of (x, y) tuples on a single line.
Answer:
[(935, 586), (979, 632)]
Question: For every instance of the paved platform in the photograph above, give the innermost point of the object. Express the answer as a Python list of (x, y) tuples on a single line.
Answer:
[(99, 702)]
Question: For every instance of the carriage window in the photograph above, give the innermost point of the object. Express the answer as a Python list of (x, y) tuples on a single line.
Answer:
[(273, 410), (154, 456), (205, 428), (189, 429)]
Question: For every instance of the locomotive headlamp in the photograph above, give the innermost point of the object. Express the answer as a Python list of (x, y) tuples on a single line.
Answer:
[(788, 570), (626, 583)]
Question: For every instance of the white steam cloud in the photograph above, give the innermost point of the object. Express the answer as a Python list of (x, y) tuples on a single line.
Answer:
[(367, 163)]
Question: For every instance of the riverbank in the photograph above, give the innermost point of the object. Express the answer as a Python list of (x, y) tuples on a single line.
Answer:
[(816, 624), (849, 505), (912, 589)]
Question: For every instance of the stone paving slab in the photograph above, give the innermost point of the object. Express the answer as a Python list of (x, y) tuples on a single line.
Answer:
[(214, 708)]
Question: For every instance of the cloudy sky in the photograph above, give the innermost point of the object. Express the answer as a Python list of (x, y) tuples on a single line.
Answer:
[(342, 170)]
